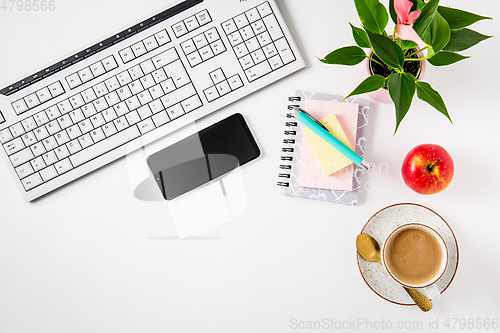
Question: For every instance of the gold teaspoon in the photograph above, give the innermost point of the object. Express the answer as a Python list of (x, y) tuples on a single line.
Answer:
[(369, 249)]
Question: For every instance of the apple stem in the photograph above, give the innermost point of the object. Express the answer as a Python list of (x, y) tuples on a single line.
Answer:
[(432, 165)]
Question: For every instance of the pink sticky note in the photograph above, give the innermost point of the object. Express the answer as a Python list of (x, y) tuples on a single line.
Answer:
[(311, 172)]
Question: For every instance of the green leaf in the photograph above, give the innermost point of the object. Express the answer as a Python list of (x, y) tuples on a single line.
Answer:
[(401, 89), (349, 55), (438, 33), (458, 19), (431, 96), (360, 37), (426, 16), (408, 44), (388, 51), (445, 58), (372, 14), (463, 39), (371, 83)]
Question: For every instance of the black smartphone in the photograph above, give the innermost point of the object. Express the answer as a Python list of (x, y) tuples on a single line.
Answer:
[(203, 156)]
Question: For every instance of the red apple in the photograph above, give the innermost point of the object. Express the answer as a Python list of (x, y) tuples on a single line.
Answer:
[(428, 169)]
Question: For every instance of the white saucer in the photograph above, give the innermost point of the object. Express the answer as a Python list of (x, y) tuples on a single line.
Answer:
[(380, 225)]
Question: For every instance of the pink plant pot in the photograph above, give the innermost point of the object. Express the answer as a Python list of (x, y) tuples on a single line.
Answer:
[(382, 95)]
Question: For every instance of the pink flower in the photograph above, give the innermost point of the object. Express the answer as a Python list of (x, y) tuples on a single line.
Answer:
[(404, 28)]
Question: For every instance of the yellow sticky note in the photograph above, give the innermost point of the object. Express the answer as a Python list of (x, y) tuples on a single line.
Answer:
[(331, 159)]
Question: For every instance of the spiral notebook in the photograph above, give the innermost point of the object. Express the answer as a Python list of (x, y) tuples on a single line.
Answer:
[(342, 186)]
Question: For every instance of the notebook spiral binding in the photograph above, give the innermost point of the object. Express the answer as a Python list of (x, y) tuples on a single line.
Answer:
[(288, 141)]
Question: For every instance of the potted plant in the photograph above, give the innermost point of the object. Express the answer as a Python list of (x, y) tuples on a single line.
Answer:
[(396, 60)]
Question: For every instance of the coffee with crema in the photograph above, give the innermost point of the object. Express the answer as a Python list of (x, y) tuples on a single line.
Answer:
[(414, 256)]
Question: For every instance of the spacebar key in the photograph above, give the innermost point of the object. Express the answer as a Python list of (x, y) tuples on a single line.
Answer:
[(105, 145)]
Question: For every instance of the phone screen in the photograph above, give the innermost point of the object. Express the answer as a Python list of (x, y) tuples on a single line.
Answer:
[(204, 156)]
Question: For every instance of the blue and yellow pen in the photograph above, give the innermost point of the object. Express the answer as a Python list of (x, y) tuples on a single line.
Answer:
[(317, 127)]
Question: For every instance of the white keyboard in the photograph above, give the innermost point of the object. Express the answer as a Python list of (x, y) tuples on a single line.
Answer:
[(139, 85)]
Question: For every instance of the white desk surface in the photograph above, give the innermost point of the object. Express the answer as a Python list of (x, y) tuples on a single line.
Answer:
[(91, 258)]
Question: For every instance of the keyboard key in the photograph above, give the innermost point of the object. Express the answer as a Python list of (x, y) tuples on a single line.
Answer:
[(53, 112), (109, 63), (252, 44), (229, 27), (85, 141), (270, 50), (147, 67), (37, 164), (156, 106), (168, 86), (97, 69), (150, 43), (21, 157), (48, 173), (124, 78), (246, 62), (63, 166), (160, 118), (240, 50), (28, 124), (112, 83), (62, 137), (120, 123), (264, 38), (49, 143), (109, 115), (188, 46), (97, 120), (17, 129), (85, 126), (97, 135), (165, 58), (212, 35), (235, 82), (144, 97), (31, 181), (146, 126), (144, 112), (74, 146), (147, 81), (162, 37), (109, 129), (178, 95), (31, 101), (179, 29), (105, 145), (73, 80), (194, 58), (41, 118), (211, 93), (121, 108), (85, 75), (206, 53), (217, 76), (127, 55), (112, 98), (53, 127), (49, 158), (159, 75), (65, 105), (5, 135), (156, 91), (132, 117), (258, 71), (61, 153), (203, 17), (76, 101), (29, 139), (135, 72), (41, 133), (124, 93), (223, 88), (247, 33), (88, 95), (20, 106), (273, 27), (264, 9), (14, 146), (200, 41), (258, 27), (191, 103), (252, 15), (241, 21), (175, 111), (74, 132), (100, 89), (100, 104), (235, 38), (275, 62), (133, 103), (43, 95), (24, 170), (284, 50), (88, 110), (56, 89), (191, 23), (258, 56), (178, 74)]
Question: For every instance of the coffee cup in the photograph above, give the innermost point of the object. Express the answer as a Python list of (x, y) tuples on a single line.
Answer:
[(415, 256)]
